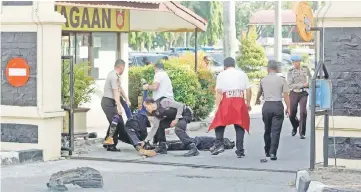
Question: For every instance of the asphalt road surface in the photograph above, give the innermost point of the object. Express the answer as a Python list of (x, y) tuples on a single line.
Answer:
[(133, 177)]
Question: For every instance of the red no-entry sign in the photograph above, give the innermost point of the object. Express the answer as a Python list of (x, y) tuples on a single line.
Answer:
[(17, 72)]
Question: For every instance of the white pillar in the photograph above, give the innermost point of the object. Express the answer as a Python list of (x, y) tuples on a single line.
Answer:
[(36, 37), (278, 32), (124, 54), (229, 28)]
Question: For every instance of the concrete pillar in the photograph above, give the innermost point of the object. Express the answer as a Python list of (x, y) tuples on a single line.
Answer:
[(31, 115), (229, 28), (278, 32)]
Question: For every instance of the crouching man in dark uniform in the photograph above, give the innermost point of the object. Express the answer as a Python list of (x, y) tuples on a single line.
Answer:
[(167, 113), (272, 87)]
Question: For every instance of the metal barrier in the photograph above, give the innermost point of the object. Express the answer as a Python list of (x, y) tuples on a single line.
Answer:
[(67, 100)]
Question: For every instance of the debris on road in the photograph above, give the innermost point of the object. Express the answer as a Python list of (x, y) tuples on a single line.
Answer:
[(85, 177)]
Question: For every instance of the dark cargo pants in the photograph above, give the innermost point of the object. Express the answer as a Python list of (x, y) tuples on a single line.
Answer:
[(180, 131), (273, 116)]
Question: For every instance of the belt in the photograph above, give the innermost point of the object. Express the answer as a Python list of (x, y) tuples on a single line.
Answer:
[(299, 90)]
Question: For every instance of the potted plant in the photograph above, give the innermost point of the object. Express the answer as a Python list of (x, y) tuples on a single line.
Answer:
[(84, 88)]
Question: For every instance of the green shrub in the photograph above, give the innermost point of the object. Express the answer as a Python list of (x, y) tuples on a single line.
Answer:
[(253, 57), (205, 98), (84, 85), (185, 83)]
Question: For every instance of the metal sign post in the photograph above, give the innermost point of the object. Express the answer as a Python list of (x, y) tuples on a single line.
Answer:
[(305, 27), (70, 106)]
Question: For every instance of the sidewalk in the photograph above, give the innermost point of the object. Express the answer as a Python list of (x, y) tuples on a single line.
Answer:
[(293, 152)]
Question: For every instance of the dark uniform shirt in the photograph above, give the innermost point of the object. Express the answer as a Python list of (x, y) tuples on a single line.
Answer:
[(273, 86), (296, 78)]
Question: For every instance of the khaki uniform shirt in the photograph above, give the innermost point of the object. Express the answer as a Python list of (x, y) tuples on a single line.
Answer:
[(165, 103), (273, 86), (296, 78)]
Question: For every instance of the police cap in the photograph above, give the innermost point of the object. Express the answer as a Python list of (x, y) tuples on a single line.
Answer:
[(296, 58)]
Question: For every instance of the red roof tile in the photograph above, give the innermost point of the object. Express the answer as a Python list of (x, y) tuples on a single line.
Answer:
[(267, 17)]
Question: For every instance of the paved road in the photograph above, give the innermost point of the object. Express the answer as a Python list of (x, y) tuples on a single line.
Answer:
[(144, 178), (293, 152)]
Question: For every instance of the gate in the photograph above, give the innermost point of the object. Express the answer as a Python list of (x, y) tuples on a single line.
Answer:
[(67, 102)]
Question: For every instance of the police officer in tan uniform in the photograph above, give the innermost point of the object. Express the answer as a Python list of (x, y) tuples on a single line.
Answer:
[(273, 88), (298, 81)]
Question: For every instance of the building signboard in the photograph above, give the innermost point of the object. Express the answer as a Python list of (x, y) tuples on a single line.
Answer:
[(94, 19)]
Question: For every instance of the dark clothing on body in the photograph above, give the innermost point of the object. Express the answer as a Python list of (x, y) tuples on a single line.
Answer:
[(239, 137), (298, 98), (272, 87), (273, 116), (202, 143), (110, 109)]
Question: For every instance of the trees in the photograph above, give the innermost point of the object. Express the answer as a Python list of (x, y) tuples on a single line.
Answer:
[(253, 57)]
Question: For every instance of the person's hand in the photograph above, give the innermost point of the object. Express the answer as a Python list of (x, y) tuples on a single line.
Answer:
[(173, 123), (258, 102), (145, 87), (141, 143), (128, 103), (119, 109), (288, 112), (249, 106), (306, 85)]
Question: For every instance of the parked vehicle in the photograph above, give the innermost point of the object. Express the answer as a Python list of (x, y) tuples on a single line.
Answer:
[(139, 59)]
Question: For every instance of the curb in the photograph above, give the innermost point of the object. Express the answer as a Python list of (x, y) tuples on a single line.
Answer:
[(21, 156), (305, 184)]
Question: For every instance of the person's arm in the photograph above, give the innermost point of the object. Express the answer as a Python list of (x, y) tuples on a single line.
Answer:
[(219, 91), (122, 93), (218, 97), (153, 130), (168, 103), (156, 82), (248, 90), (286, 96), (291, 84), (115, 83), (154, 86), (259, 94)]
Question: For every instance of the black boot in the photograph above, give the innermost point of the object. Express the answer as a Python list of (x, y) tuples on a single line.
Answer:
[(217, 150), (193, 151), (294, 132), (161, 148), (273, 157), (112, 148), (240, 154)]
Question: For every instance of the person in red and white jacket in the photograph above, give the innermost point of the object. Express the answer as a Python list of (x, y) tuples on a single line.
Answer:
[(231, 106)]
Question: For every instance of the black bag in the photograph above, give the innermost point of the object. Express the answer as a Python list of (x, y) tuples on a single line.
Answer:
[(187, 114)]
